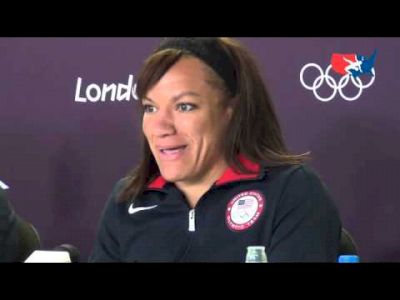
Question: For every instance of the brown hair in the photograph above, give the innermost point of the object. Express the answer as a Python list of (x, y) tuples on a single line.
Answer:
[(254, 130)]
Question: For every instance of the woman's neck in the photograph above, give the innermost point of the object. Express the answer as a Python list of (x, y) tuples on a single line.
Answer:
[(194, 190)]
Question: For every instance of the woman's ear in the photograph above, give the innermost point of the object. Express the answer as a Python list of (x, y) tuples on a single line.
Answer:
[(229, 112), (231, 107)]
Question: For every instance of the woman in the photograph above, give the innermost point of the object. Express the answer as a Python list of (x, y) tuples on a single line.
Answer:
[(215, 176)]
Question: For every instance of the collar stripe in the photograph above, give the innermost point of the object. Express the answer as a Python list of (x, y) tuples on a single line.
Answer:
[(230, 175)]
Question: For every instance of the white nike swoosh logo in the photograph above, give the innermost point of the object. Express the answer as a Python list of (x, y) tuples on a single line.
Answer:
[(136, 209), (3, 185)]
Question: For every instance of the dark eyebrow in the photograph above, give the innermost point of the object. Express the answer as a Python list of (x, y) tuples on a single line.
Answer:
[(177, 97), (183, 94)]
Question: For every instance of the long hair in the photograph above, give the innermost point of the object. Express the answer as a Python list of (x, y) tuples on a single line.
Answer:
[(254, 130)]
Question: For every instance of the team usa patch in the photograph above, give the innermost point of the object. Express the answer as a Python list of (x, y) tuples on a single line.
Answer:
[(244, 210)]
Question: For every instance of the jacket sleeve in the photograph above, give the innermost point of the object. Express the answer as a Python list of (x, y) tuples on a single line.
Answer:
[(106, 246), (307, 225), (8, 231)]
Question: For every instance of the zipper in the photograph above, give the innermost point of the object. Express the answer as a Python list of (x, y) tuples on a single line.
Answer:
[(192, 214), (192, 220)]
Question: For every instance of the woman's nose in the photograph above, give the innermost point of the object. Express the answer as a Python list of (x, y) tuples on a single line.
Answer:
[(163, 123)]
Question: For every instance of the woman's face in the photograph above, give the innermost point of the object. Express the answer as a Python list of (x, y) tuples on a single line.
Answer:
[(185, 122)]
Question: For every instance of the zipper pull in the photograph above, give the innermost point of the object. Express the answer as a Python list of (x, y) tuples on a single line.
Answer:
[(192, 226)]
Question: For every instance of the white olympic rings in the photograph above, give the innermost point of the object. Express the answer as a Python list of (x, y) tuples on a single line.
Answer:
[(336, 87)]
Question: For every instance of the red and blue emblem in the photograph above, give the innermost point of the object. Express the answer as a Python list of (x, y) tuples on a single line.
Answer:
[(244, 210), (353, 64)]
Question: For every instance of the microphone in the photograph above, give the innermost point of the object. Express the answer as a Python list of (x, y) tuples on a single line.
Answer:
[(73, 252), (64, 253)]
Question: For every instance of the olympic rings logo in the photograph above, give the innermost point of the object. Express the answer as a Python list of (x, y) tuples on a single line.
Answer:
[(331, 82)]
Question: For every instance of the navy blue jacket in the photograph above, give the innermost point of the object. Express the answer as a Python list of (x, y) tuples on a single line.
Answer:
[(8, 230), (286, 209)]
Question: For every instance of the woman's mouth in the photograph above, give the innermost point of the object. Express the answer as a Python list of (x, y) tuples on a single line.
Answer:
[(172, 153)]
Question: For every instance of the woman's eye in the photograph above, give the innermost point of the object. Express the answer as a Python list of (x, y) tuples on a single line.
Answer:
[(149, 108), (186, 107)]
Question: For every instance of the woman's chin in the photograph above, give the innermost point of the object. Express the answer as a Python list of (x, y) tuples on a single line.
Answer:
[(173, 175)]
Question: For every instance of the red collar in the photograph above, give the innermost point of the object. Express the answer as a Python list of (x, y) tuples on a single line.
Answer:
[(230, 175)]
